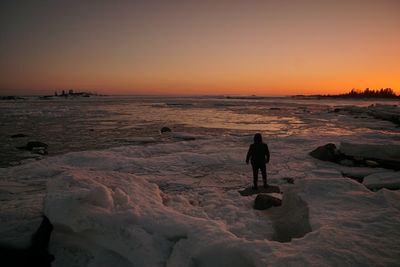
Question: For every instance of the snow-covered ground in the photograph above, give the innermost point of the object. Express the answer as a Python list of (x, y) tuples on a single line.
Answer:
[(173, 200)]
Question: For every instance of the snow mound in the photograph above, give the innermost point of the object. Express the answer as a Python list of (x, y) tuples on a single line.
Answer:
[(178, 204), (378, 111), (390, 180), (292, 220), (385, 112), (120, 218), (371, 151)]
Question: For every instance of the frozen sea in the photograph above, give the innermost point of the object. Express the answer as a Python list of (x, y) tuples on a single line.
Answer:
[(119, 192)]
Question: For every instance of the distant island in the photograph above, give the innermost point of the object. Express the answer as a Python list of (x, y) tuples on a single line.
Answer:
[(69, 93), (11, 97), (386, 93), (62, 93)]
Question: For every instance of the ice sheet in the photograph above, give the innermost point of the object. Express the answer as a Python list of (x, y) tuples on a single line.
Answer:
[(173, 200)]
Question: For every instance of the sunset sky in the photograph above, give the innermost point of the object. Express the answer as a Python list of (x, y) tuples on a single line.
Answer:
[(199, 47)]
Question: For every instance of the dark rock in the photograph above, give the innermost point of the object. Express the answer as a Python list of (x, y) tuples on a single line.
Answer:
[(327, 152), (18, 135), (382, 155), (370, 155), (358, 158), (265, 201), (35, 255), (336, 110), (388, 164), (184, 137), (371, 163), (357, 178), (46, 97), (39, 150), (165, 130), (347, 162), (289, 180), (385, 112), (250, 191), (275, 108), (34, 145)]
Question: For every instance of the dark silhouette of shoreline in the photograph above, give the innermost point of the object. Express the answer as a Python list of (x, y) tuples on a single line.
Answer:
[(383, 93)]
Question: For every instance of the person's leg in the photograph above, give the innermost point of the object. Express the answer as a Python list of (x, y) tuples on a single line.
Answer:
[(255, 175), (264, 174)]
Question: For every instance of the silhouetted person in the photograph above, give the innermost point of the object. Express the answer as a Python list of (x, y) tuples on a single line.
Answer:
[(258, 155)]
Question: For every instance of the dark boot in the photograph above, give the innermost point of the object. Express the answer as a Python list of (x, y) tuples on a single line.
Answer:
[(265, 183)]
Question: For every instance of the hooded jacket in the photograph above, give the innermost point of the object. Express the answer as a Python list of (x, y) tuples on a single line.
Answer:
[(258, 152)]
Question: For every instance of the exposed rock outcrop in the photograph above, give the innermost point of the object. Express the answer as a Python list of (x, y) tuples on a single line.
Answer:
[(266, 201), (370, 155), (165, 129), (36, 147), (327, 152)]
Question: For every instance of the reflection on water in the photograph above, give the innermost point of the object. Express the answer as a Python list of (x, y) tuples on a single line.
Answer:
[(97, 123), (207, 117), (226, 119)]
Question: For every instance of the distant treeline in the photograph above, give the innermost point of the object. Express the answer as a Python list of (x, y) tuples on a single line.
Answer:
[(367, 93)]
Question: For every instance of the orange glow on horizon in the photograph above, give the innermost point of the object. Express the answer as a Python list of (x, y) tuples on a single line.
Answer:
[(261, 48)]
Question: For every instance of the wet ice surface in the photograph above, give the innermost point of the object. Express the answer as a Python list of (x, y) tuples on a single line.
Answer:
[(96, 123), (129, 196)]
